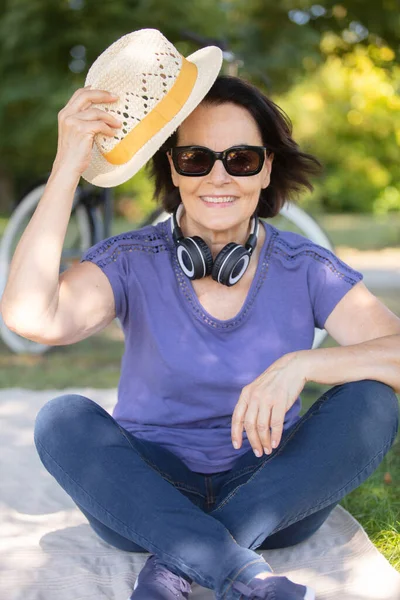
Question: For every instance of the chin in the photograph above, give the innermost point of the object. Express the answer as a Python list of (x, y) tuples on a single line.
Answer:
[(220, 221)]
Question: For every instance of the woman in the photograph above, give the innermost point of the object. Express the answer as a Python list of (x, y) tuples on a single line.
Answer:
[(208, 363)]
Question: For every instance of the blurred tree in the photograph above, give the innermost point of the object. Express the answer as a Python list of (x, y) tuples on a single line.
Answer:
[(281, 41), (46, 48), (348, 114)]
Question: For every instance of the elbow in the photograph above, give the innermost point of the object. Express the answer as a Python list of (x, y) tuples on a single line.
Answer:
[(33, 337), (16, 326)]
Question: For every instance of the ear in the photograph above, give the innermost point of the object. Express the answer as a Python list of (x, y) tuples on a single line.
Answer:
[(174, 174), (267, 171)]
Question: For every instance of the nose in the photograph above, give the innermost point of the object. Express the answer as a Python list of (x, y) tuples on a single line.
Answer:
[(218, 174)]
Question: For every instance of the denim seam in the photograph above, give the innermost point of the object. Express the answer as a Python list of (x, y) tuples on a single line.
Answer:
[(181, 484), (239, 474), (385, 449), (209, 491), (208, 581), (328, 500), (267, 458)]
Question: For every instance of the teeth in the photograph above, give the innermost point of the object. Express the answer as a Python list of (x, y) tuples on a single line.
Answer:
[(219, 199)]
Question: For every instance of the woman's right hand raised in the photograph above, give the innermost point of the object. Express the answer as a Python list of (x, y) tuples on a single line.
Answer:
[(77, 126)]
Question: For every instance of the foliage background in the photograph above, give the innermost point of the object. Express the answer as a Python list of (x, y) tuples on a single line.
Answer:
[(333, 67)]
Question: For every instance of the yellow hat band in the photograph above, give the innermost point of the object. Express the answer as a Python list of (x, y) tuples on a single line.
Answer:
[(160, 115)]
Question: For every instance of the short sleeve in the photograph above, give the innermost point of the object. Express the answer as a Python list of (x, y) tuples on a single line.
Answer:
[(110, 256), (329, 279)]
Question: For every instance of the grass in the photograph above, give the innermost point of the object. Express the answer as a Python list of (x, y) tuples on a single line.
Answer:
[(366, 232), (95, 362)]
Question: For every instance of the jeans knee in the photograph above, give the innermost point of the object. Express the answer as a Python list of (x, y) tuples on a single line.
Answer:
[(114, 539), (55, 417), (378, 406)]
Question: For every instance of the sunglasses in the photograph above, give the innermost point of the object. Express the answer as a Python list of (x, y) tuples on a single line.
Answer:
[(239, 161)]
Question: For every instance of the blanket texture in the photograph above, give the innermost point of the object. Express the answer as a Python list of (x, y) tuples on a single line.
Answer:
[(48, 551)]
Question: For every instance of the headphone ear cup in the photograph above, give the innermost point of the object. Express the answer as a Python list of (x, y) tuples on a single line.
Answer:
[(194, 257), (206, 254), (230, 264)]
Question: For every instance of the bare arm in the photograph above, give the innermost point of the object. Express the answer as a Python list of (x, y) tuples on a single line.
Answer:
[(85, 306), (31, 293), (37, 303)]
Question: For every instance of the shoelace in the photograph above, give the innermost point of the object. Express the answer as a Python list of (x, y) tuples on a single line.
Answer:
[(169, 579), (257, 593)]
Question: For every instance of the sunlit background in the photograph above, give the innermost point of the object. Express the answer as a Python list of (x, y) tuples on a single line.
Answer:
[(333, 67)]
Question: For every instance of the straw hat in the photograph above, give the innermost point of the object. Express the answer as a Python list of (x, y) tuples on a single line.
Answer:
[(157, 88)]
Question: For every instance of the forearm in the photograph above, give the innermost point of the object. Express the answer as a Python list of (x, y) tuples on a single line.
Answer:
[(377, 359), (32, 285)]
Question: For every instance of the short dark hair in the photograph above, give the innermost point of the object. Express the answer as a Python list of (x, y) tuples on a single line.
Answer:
[(291, 168)]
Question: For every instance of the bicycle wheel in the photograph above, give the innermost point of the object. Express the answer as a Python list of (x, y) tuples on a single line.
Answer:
[(77, 239), (290, 218)]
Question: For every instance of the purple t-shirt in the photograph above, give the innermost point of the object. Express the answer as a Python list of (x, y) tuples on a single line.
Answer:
[(183, 370)]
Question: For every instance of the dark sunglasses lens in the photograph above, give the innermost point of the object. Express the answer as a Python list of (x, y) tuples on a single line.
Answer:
[(195, 162), (242, 162)]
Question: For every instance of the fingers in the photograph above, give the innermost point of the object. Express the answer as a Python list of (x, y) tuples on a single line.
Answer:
[(83, 98), (245, 416), (276, 424), (252, 428), (96, 113), (238, 419), (83, 126), (270, 424), (262, 421)]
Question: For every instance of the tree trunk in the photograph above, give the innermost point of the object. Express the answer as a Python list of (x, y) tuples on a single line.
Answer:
[(7, 193)]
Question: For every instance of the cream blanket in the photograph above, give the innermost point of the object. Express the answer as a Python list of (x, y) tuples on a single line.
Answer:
[(49, 552)]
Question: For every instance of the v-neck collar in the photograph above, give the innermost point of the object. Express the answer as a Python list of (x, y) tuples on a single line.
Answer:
[(186, 287)]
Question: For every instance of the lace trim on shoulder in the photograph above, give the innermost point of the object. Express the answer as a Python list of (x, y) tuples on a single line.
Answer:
[(290, 253), (127, 242)]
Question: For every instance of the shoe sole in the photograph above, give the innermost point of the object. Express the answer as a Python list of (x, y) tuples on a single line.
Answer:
[(135, 586), (310, 594)]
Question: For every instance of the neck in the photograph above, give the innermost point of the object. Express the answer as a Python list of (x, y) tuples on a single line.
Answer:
[(216, 239)]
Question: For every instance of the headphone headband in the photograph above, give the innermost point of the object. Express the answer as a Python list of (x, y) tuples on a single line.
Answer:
[(178, 235), (195, 258)]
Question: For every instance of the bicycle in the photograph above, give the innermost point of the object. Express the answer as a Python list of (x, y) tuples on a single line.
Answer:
[(91, 220)]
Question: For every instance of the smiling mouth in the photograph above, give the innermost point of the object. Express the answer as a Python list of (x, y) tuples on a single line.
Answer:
[(218, 199)]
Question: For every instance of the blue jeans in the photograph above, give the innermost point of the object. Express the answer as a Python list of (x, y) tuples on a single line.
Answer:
[(139, 497)]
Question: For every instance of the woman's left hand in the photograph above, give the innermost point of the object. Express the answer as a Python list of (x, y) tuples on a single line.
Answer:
[(264, 403)]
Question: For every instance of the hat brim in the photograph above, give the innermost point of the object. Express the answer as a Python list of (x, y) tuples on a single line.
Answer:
[(208, 62)]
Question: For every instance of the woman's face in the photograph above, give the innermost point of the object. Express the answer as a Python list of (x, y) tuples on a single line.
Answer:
[(219, 128)]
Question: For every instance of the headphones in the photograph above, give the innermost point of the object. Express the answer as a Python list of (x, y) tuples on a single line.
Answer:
[(195, 258)]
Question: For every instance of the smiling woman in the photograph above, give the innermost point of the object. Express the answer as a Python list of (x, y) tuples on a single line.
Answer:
[(215, 304), (240, 105), (220, 127)]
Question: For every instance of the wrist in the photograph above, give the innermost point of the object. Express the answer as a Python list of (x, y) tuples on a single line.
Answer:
[(300, 361), (65, 174)]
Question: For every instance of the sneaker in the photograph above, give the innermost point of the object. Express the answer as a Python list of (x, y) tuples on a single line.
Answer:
[(273, 588), (156, 582)]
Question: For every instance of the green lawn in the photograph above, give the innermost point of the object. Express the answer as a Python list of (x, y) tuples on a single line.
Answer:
[(364, 232)]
